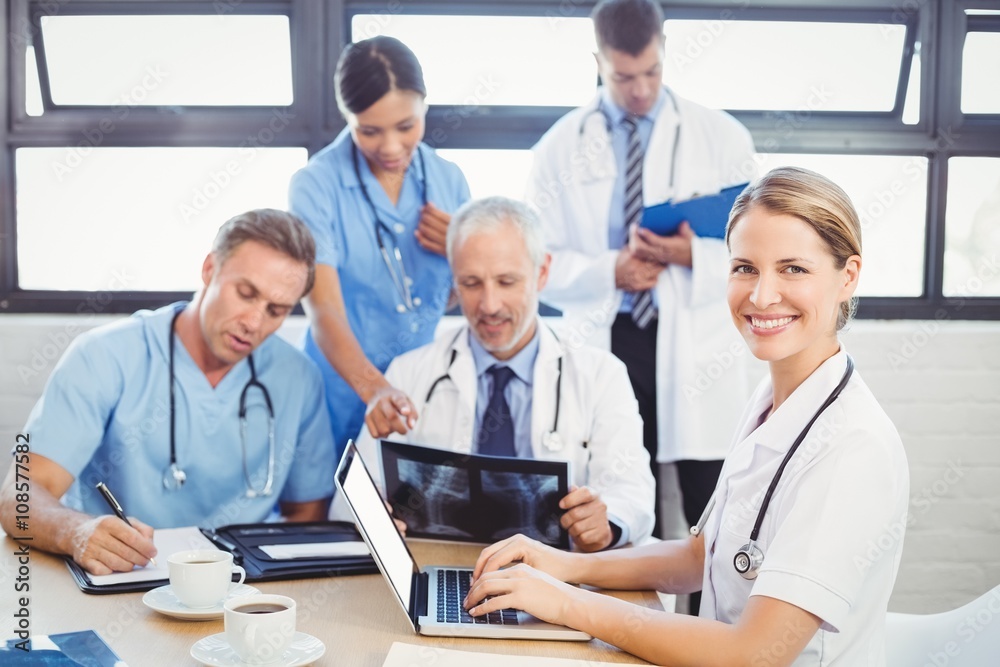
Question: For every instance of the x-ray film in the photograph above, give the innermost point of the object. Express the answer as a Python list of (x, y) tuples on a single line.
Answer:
[(446, 495)]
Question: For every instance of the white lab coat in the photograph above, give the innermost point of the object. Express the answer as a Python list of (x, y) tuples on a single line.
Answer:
[(701, 374), (832, 535), (599, 422)]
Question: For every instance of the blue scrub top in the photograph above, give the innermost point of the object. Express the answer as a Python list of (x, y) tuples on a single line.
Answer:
[(105, 416), (327, 196)]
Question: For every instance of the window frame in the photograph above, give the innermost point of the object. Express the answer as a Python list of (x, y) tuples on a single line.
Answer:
[(320, 30)]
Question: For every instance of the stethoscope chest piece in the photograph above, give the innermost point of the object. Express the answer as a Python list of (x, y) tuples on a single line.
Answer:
[(748, 560), (552, 441), (173, 477)]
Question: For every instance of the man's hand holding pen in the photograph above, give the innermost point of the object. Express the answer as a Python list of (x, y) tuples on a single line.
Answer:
[(106, 544)]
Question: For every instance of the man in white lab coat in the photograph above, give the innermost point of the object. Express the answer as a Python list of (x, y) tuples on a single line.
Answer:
[(639, 144), (559, 402)]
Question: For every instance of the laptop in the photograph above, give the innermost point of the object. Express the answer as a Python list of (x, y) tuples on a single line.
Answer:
[(432, 597)]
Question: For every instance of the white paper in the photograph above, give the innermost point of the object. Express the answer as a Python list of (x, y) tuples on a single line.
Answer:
[(407, 655), (168, 541), (314, 550)]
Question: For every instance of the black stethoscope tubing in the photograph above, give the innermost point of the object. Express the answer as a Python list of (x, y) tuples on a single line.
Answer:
[(599, 108), (447, 376), (402, 282), (798, 441), (749, 557), (175, 471)]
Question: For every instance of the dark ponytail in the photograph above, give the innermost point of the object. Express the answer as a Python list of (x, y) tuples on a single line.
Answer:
[(369, 69)]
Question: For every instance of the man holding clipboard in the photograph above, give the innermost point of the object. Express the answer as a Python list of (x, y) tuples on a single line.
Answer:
[(658, 302)]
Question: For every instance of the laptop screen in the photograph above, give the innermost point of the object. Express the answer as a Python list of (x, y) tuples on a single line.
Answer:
[(374, 521)]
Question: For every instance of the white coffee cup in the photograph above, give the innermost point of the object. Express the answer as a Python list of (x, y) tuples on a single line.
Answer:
[(202, 577), (260, 627)]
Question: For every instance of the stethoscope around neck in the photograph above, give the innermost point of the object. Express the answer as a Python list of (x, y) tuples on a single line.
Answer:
[(397, 272), (551, 440), (598, 108), (749, 557), (174, 476)]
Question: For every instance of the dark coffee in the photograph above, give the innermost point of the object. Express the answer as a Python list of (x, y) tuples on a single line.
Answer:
[(260, 608), (199, 562)]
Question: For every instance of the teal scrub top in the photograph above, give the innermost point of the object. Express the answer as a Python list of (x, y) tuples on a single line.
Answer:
[(327, 195), (105, 416)]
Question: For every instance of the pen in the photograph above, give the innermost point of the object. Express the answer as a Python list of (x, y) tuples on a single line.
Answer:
[(218, 539), (117, 508)]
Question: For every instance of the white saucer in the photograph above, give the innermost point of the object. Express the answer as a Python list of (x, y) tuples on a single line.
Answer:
[(164, 600), (215, 650)]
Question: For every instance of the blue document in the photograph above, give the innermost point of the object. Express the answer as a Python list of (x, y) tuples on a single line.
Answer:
[(71, 649), (707, 215)]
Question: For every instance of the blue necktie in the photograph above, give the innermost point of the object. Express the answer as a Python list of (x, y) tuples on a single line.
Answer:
[(643, 309), (496, 433)]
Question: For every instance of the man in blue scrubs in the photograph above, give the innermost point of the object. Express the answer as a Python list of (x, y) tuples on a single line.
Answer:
[(107, 413)]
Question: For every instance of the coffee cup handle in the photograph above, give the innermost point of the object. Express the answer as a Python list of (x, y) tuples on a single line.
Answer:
[(243, 575)]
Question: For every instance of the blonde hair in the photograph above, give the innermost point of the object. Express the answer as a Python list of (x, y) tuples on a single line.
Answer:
[(817, 201)]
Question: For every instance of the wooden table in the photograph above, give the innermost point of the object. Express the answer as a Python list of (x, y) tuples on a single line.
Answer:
[(357, 617)]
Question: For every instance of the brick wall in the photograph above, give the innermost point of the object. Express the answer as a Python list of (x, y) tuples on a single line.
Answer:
[(938, 381)]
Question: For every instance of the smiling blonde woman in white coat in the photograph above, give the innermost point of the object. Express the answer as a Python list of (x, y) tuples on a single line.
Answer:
[(832, 535)]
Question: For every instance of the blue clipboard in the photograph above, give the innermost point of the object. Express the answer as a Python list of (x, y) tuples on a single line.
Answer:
[(707, 215)]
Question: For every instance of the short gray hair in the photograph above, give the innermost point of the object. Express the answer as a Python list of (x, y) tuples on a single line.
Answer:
[(276, 229), (490, 213)]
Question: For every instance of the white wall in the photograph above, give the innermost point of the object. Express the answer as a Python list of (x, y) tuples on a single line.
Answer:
[(939, 382)]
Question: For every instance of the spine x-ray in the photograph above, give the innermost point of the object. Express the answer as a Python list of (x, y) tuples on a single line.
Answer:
[(470, 498)]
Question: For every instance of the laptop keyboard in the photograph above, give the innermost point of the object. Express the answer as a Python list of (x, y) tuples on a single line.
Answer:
[(452, 587)]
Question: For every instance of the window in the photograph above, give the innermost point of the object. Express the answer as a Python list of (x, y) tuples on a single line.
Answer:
[(980, 64), (116, 164), (168, 60), (972, 244), (150, 214), (494, 60), (784, 64)]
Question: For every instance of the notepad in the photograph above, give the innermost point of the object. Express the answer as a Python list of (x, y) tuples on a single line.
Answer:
[(707, 215), (167, 541)]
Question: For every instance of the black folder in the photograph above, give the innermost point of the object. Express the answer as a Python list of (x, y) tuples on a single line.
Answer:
[(244, 541)]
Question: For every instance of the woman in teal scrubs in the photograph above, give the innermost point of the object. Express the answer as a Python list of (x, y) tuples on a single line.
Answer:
[(378, 202)]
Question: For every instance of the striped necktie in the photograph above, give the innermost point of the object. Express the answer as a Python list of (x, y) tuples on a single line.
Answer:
[(643, 309)]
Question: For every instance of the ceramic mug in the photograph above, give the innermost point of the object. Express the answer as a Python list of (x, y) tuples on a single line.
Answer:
[(202, 578), (260, 627)]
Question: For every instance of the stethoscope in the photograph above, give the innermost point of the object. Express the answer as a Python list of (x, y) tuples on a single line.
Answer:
[(397, 272), (598, 107), (749, 557), (551, 440), (174, 476)]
